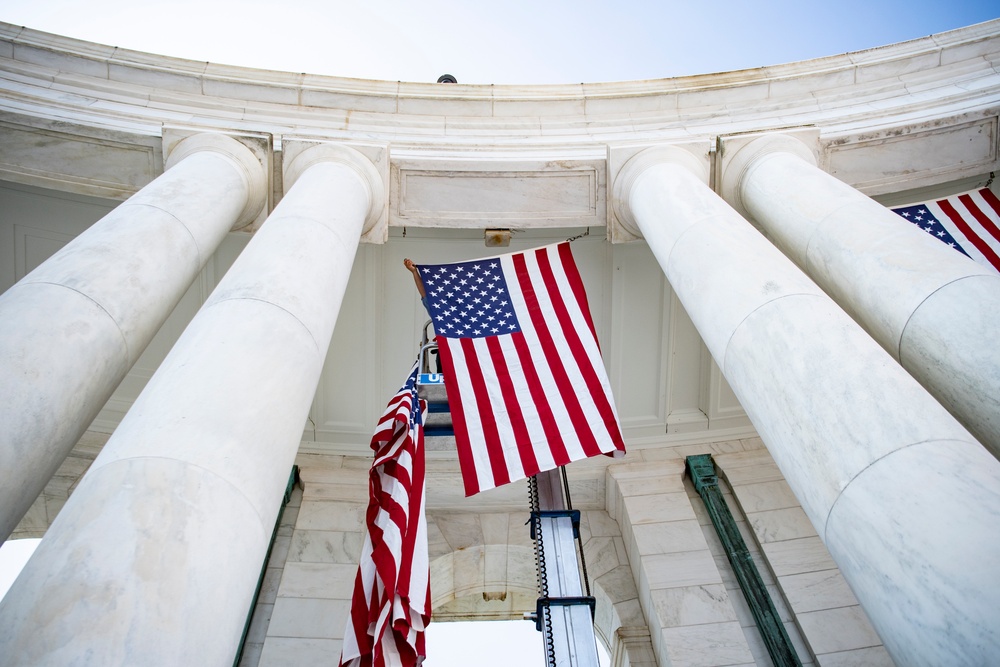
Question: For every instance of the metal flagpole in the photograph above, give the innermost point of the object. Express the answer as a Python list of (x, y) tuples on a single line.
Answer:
[(564, 612)]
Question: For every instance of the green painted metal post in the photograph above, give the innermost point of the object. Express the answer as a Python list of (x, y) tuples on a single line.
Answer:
[(706, 482)]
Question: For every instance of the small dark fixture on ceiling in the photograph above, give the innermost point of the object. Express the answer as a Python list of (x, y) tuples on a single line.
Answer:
[(447, 78)]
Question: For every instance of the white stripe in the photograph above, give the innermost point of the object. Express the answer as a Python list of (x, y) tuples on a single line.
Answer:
[(960, 238), (390, 531), (522, 394), (470, 408), (420, 570), (592, 350), (498, 407), (577, 382), (979, 201), (549, 387)]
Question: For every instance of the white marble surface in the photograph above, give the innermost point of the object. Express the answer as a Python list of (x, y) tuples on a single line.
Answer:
[(209, 444), (73, 327), (693, 605), (859, 87), (861, 657), (952, 610), (706, 645), (322, 618), (779, 525), (837, 414), (820, 589), (840, 629), (325, 546), (915, 95), (802, 579), (933, 309), (295, 651), (152, 515), (680, 588), (932, 85)]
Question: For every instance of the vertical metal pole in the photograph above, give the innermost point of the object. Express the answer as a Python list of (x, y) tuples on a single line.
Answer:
[(779, 646), (566, 617)]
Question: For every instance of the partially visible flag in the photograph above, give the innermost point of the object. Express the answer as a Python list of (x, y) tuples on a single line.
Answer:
[(968, 222), (391, 603), (526, 385)]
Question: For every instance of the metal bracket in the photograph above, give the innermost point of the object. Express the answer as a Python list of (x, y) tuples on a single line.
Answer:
[(546, 602), (574, 516)]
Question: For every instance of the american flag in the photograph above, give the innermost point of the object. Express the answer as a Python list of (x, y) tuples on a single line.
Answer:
[(391, 602), (968, 222), (526, 385)]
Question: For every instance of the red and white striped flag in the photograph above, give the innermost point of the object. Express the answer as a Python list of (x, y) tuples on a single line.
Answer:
[(968, 222), (391, 605), (526, 385)]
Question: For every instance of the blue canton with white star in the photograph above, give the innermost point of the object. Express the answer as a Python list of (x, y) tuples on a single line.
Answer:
[(469, 299), (925, 220)]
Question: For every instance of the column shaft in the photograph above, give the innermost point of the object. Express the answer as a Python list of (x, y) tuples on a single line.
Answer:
[(902, 495), (154, 558), (71, 329), (936, 311)]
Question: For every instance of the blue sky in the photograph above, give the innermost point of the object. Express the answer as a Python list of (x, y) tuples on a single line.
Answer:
[(513, 42), (517, 41)]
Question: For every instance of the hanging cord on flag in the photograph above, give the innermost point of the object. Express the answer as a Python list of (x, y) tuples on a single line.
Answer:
[(587, 233), (990, 181), (579, 542), (543, 582)]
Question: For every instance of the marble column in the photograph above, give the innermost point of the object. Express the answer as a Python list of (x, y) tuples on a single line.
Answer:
[(933, 309), (71, 329), (904, 497), (154, 558)]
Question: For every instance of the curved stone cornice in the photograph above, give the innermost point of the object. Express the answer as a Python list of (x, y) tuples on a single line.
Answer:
[(63, 77)]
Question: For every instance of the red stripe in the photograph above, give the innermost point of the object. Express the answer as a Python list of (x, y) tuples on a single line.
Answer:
[(541, 402), (980, 216), (576, 286), (459, 424), (515, 415), (414, 499), (991, 199), (961, 223), (382, 557), (359, 616), (491, 435), (398, 467), (579, 354), (552, 357), (595, 389)]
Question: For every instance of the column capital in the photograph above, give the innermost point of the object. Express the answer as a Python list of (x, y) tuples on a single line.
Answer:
[(739, 154), (369, 162), (627, 163), (250, 154)]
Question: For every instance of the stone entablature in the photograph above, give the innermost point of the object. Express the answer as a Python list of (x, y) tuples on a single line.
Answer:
[(905, 116), (832, 91)]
